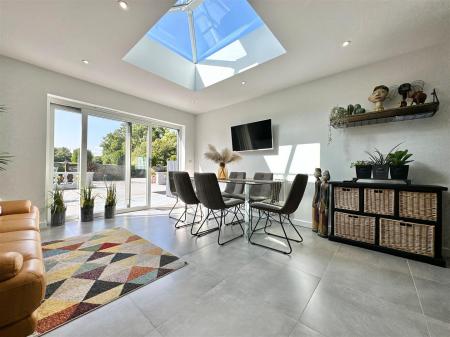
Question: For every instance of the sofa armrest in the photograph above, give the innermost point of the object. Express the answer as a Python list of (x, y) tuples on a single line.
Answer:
[(10, 265), (15, 207)]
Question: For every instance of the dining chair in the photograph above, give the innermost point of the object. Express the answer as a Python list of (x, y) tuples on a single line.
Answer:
[(186, 194), (283, 211), (259, 192), (209, 194), (173, 191), (231, 189)]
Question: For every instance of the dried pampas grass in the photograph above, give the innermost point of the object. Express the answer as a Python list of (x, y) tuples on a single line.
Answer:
[(225, 156)]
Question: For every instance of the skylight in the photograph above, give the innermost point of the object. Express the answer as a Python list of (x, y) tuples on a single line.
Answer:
[(215, 38)]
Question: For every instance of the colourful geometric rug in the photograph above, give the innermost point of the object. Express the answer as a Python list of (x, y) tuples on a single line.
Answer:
[(88, 271)]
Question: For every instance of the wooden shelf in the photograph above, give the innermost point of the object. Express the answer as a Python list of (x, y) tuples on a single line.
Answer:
[(425, 110)]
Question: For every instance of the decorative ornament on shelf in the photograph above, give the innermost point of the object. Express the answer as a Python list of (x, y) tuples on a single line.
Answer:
[(222, 158), (403, 90), (316, 200), (416, 93), (379, 95)]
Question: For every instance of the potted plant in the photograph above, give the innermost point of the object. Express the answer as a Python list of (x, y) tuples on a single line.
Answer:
[(380, 163), (111, 201), (87, 204), (363, 169), (398, 161), (57, 207)]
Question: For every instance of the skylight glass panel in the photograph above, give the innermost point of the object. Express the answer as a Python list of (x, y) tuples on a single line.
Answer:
[(218, 23), (172, 31)]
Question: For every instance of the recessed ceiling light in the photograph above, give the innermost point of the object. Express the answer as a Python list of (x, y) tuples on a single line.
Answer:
[(123, 5), (85, 61), (346, 43), (243, 82)]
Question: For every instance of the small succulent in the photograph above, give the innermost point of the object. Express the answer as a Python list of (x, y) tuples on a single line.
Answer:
[(399, 158), (361, 163)]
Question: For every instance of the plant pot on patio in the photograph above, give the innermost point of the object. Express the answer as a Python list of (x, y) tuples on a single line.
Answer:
[(381, 172)]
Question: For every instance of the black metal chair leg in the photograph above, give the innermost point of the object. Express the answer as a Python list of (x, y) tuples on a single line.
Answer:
[(171, 210), (188, 224), (205, 232), (220, 228), (282, 237), (301, 237)]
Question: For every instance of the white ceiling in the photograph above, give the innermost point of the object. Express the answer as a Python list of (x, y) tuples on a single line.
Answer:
[(58, 34)]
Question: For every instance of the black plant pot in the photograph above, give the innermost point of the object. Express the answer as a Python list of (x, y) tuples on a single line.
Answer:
[(363, 171), (110, 211), (87, 213), (380, 171), (58, 218), (399, 172)]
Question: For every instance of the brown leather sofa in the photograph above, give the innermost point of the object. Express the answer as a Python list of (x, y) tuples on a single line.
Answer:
[(22, 282)]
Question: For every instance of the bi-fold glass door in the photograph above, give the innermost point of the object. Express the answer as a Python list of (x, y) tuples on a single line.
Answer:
[(95, 149)]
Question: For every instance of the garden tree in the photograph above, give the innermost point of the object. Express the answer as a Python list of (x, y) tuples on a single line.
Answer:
[(164, 145), (62, 154), (76, 154)]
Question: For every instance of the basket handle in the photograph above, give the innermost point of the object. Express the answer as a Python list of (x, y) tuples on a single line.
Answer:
[(405, 224), (345, 189), (353, 216), (378, 191)]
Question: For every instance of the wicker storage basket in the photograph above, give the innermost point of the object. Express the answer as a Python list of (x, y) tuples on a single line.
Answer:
[(407, 236), (354, 227), (379, 201), (418, 205), (346, 198)]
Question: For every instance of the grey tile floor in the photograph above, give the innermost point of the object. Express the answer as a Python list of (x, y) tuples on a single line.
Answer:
[(322, 289)]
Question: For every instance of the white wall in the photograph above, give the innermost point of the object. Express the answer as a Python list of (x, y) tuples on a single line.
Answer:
[(24, 89), (300, 116)]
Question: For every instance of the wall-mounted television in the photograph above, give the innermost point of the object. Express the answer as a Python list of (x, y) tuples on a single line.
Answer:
[(252, 136)]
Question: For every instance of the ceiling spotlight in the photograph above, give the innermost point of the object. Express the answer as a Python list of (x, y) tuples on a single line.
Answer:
[(243, 82), (85, 61), (346, 43), (123, 5)]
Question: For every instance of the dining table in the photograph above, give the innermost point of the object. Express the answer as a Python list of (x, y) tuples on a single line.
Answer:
[(248, 183)]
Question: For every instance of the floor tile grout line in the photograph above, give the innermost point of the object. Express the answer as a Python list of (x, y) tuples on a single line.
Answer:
[(418, 297)]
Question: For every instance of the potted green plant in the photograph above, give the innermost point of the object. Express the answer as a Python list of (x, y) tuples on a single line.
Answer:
[(57, 207), (87, 200), (363, 169), (380, 163), (398, 161), (111, 201)]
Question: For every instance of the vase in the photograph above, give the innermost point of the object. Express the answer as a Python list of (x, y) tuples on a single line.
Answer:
[(380, 172), (399, 172), (222, 173), (363, 171)]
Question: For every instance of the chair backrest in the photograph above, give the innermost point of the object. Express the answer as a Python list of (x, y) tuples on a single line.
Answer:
[(295, 194), (172, 187), (234, 188), (208, 190), (185, 190), (264, 189)]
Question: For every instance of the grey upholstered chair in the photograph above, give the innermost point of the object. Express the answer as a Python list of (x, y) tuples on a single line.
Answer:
[(173, 191), (208, 192), (259, 192), (232, 189), (186, 194), (285, 210)]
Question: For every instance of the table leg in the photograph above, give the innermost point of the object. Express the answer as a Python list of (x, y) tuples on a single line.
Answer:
[(247, 228)]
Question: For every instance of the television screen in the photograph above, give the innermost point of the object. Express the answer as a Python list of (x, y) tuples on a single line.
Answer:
[(252, 136)]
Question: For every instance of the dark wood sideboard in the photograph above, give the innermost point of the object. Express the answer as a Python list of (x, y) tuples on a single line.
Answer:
[(399, 219)]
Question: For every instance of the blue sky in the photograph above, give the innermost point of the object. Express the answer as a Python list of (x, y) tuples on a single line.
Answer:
[(68, 130)]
